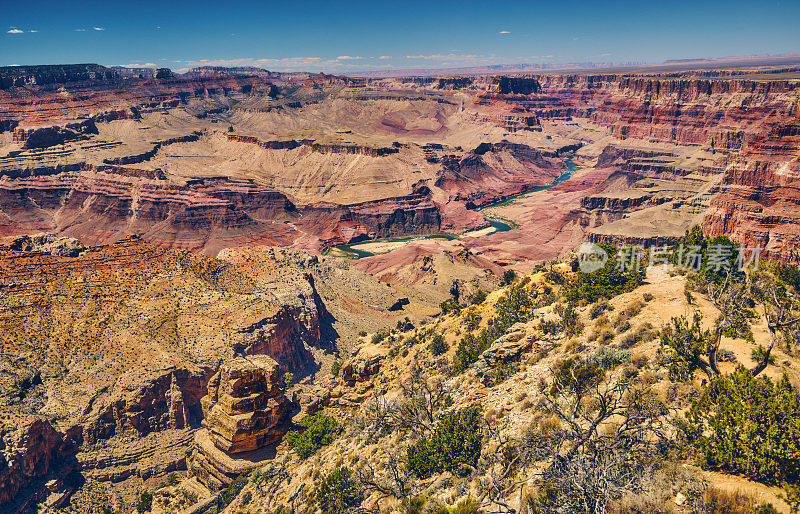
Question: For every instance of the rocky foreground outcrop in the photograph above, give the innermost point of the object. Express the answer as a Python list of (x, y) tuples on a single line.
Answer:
[(118, 344), (37, 465), (243, 412)]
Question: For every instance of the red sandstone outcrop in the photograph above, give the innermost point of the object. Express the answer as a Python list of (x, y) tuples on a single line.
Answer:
[(146, 400), (100, 204), (494, 171), (243, 412)]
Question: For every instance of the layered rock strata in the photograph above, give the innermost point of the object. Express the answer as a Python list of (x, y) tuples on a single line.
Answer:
[(243, 412)]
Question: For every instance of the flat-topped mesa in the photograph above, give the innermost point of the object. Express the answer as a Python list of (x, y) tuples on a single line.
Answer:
[(20, 76), (291, 144), (244, 412), (514, 85), (43, 137)]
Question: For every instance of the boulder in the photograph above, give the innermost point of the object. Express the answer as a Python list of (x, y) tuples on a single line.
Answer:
[(363, 364)]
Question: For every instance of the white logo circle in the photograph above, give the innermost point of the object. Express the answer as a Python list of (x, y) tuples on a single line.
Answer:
[(591, 257)]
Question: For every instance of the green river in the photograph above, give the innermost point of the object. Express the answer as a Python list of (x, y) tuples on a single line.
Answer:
[(499, 224)]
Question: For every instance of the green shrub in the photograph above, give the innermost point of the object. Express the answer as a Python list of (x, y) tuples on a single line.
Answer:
[(468, 506), (609, 358), (405, 325), (470, 349), (456, 441), (576, 376), (338, 492), (766, 508), (473, 319), (437, 345), (687, 347), (231, 492), (450, 305), (509, 276), (413, 505), (320, 430), (145, 502), (607, 282), (479, 297), (501, 371), (554, 276), (748, 425), (599, 308), (725, 355), (569, 320), (718, 255), (379, 336), (335, 368), (548, 327), (246, 497), (516, 305)]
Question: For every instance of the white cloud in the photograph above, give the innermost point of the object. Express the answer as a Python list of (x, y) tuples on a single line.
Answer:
[(281, 64), (384, 57), (348, 58), (14, 30), (99, 28), (505, 32), (575, 38), (444, 57), (33, 31), (80, 30)]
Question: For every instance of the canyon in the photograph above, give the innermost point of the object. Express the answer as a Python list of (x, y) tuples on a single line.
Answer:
[(171, 244), (209, 161)]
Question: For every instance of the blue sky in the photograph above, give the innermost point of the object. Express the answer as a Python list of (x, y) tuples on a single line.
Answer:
[(356, 35)]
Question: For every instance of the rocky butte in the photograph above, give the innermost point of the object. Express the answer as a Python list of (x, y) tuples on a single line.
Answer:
[(243, 412)]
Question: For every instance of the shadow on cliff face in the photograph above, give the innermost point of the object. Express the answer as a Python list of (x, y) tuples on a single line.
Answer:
[(328, 335)]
